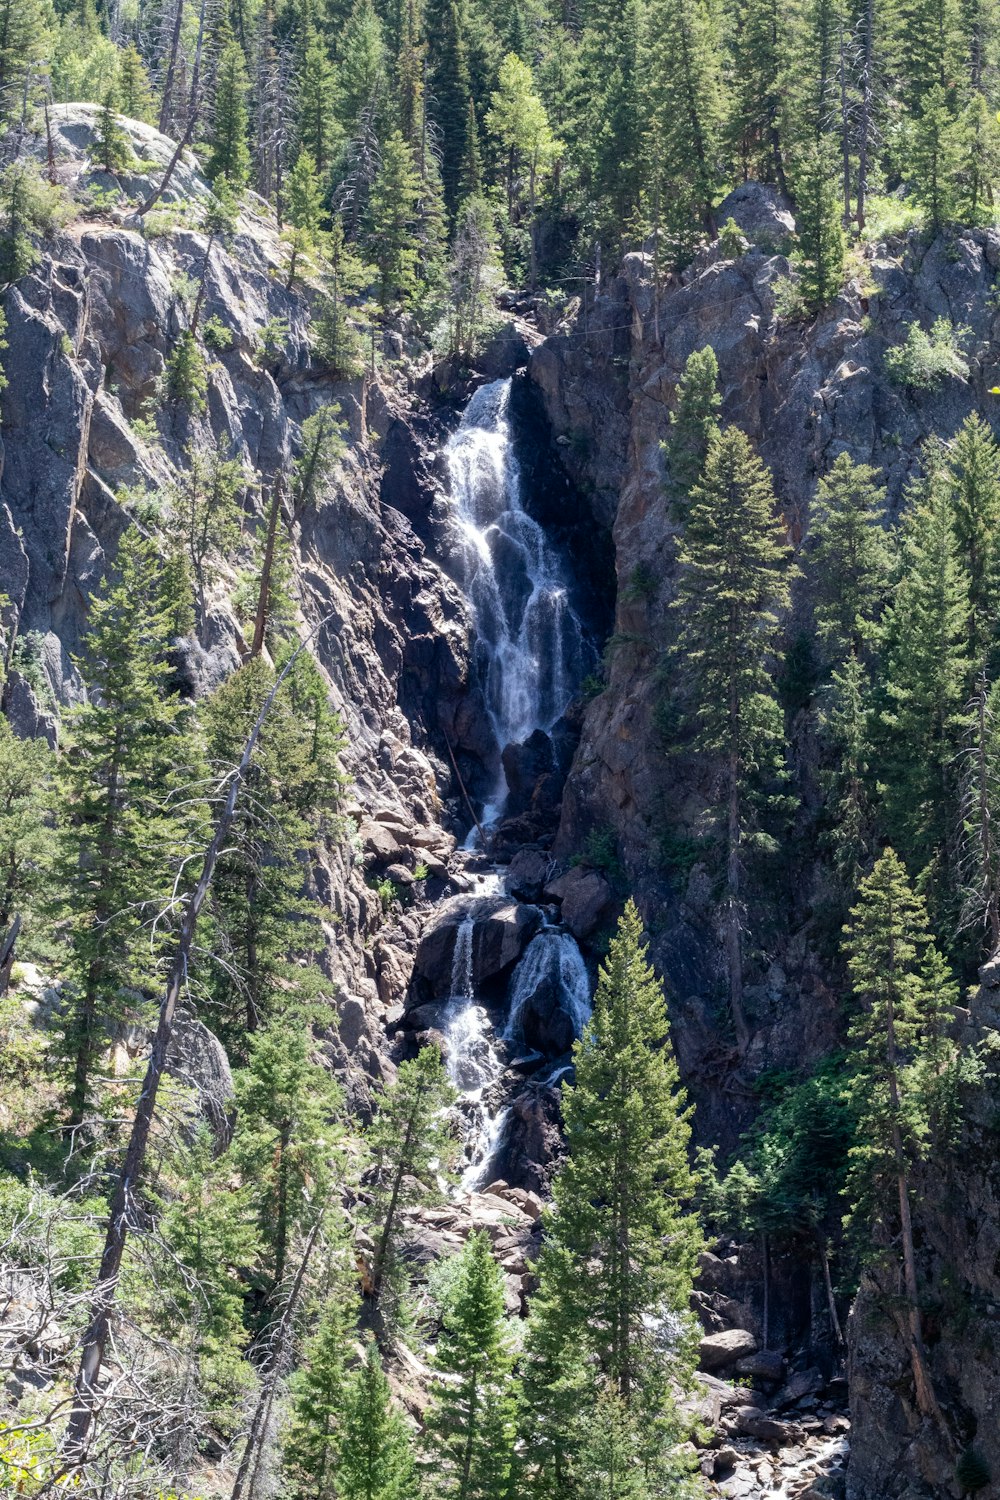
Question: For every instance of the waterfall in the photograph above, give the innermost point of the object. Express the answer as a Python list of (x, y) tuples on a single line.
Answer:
[(552, 960), (531, 644), (531, 654)]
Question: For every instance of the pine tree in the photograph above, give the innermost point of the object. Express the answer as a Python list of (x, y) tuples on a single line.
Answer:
[(185, 375), (322, 446), (822, 246), (685, 96), (974, 469), (266, 932), (902, 993), (978, 862), (206, 513), (230, 156), (694, 423), (733, 583), (929, 49), (931, 157), (470, 180), (412, 1145), (391, 226), (27, 30), (611, 1464), (473, 274), (846, 719), (850, 561), (621, 1247), (338, 341), (615, 128), (555, 1387), (362, 65), (135, 93), (114, 149), (305, 210), (976, 163), (313, 1439), (757, 126), (17, 252), (469, 1431), (123, 840), (376, 1462), (518, 123), (927, 677), (318, 130), (450, 88), (288, 1139)]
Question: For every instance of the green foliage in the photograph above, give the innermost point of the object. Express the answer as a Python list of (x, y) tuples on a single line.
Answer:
[(135, 93), (693, 424), (323, 444), (850, 561), (127, 820), (732, 242), (822, 244), (469, 1427), (923, 360), (312, 1441), (288, 1142), (412, 1146), (972, 1471), (114, 150), (375, 1458), (216, 335), (205, 512), (230, 156), (265, 924), (336, 338), (391, 223), (627, 1137), (26, 837), (28, 207), (185, 374)]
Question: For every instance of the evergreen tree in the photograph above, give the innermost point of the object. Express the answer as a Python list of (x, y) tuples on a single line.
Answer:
[(362, 65), (230, 156), (517, 121), (850, 560), (206, 513), (265, 925), (318, 129), (902, 992), (849, 781), (113, 146), (694, 423), (733, 583), (338, 341), (17, 252), (822, 246), (978, 862), (135, 93), (411, 1144), (313, 1440), (926, 675), (756, 127), (127, 825), (322, 446), (931, 157), (450, 87), (185, 375), (974, 469), (376, 1462), (976, 160), (26, 37), (929, 49), (305, 210), (685, 96), (620, 1248), (615, 128), (392, 218), (469, 1432), (288, 1139), (473, 275)]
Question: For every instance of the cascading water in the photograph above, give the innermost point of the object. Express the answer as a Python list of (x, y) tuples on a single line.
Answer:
[(552, 960), (532, 653), (530, 641)]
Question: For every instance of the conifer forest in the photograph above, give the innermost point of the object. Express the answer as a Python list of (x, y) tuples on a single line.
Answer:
[(500, 749)]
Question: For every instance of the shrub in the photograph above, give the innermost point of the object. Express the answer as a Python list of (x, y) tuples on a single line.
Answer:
[(186, 375), (216, 335), (732, 242), (923, 360)]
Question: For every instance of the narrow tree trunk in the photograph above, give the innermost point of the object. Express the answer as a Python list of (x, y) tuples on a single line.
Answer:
[(168, 82), (867, 111), (986, 827), (389, 1224), (8, 946), (734, 944), (86, 1394), (260, 622), (194, 109), (831, 1301), (845, 136)]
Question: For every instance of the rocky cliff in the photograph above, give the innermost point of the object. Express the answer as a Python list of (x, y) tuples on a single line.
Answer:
[(89, 330)]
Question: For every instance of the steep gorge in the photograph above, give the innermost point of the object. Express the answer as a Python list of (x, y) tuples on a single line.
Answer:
[(449, 691)]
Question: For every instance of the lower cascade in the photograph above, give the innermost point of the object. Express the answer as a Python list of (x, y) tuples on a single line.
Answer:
[(531, 652)]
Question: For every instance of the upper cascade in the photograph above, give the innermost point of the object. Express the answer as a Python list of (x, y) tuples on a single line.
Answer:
[(531, 643)]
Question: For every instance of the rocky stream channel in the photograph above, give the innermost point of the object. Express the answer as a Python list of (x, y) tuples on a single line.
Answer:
[(501, 985)]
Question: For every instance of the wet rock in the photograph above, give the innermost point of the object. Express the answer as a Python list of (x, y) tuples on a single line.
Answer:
[(800, 1383), (757, 1424), (586, 899), (716, 1350), (527, 874), (502, 929)]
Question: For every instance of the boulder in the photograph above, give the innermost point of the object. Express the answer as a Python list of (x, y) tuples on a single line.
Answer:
[(719, 1349), (766, 1364), (198, 1059), (761, 212), (757, 1424), (501, 930), (528, 872), (586, 899)]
